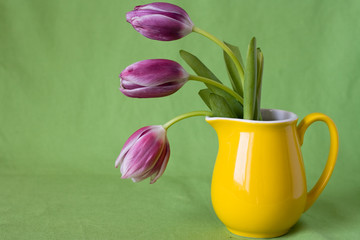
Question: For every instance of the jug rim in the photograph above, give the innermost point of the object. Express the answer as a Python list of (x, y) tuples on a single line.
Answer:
[(273, 116)]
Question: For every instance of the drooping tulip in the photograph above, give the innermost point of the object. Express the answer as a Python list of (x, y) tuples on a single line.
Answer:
[(152, 78), (145, 154), (160, 21)]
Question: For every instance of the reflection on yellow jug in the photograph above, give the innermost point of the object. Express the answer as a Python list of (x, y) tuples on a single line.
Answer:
[(258, 186)]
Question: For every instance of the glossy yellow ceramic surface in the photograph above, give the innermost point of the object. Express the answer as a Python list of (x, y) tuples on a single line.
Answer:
[(258, 186)]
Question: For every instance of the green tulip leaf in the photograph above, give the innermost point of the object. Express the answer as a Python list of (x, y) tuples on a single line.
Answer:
[(201, 70), (205, 96), (250, 80), (198, 67), (235, 106), (220, 107), (232, 70), (260, 67)]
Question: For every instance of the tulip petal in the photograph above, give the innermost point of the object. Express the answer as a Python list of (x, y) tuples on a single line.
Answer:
[(163, 7), (161, 27), (144, 153), (164, 161), (158, 169), (152, 78), (151, 171), (151, 92), (153, 72), (133, 15), (129, 85), (129, 143)]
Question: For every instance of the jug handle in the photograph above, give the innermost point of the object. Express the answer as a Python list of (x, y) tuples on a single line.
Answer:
[(330, 164)]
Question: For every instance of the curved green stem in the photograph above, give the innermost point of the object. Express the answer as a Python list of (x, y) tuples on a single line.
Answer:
[(225, 48), (218, 85), (186, 115)]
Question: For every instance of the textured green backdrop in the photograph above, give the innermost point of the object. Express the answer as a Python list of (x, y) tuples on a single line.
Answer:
[(63, 120)]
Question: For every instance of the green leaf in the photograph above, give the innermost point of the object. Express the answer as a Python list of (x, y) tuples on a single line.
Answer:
[(201, 70), (237, 53), (234, 76), (198, 67), (220, 107), (260, 67), (205, 96), (250, 81), (235, 106)]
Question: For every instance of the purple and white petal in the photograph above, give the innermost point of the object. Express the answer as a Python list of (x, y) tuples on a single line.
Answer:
[(160, 21), (147, 154), (152, 78), (151, 92), (164, 161), (162, 7), (129, 143), (153, 72), (144, 153)]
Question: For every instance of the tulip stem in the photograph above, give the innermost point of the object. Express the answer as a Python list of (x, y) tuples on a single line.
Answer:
[(226, 49), (218, 85), (186, 115)]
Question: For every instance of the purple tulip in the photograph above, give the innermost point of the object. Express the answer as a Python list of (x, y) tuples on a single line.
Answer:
[(145, 154), (160, 21), (152, 78)]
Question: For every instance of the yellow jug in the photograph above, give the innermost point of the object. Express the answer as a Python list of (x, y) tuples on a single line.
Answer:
[(258, 185)]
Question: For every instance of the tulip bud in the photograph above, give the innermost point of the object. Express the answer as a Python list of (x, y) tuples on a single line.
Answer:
[(145, 154), (152, 78), (160, 21)]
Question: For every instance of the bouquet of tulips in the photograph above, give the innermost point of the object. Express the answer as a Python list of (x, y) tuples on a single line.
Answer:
[(146, 153)]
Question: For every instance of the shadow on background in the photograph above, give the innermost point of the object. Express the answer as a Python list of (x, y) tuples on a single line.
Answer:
[(331, 215)]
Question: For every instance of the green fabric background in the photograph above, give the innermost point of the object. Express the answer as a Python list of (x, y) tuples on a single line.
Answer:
[(63, 120)]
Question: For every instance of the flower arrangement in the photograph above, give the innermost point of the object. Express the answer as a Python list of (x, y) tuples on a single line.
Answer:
[(146, 153)]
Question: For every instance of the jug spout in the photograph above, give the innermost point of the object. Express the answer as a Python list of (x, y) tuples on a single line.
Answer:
[(216, 123), (224, 126)]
